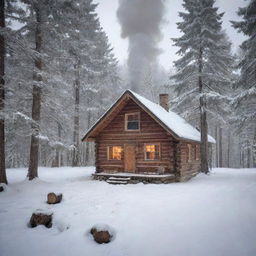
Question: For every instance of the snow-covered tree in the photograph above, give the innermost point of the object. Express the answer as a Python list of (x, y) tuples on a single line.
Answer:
[(244, 102), (73, 51), (203, 69), (36, 70), (35, 25), (93, 62), (8, 43)]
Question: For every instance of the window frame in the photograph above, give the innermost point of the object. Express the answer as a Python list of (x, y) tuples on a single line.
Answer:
[(126, 122), (145, 152), (108, 155)]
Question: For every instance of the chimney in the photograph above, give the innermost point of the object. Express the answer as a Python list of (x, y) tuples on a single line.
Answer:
[(164, 101)]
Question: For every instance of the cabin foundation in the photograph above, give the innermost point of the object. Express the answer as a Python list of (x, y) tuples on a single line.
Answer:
[(128, 178)]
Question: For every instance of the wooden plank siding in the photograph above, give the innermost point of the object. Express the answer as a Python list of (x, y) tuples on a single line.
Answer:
[(114, 134), (188, 167)]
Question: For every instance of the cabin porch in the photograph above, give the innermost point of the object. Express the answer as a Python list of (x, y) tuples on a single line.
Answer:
[(134, 178)]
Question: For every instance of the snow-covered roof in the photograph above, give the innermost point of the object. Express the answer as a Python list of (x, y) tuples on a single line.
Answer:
[(172, 120), (181, 128)]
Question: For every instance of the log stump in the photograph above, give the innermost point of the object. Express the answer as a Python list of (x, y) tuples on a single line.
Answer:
[(101, 236), (39, 218), (1, 188), (53, 198)]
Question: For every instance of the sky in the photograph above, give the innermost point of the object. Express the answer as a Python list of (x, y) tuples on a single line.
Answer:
[(107, 15)]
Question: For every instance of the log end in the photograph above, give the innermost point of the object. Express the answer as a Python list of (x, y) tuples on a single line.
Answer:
[(53, 198), (40, 218), (102, 234)]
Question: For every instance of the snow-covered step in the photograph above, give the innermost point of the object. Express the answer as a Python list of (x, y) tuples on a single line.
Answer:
[(119, 178), (117, 182)]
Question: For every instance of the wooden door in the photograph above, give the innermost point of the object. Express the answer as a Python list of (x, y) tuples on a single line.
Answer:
[(129, 158)]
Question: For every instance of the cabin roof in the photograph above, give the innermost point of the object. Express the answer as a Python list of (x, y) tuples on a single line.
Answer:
[(171, 121)]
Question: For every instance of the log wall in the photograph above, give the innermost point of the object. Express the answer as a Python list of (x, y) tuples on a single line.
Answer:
[(187, 168), (114, 134)]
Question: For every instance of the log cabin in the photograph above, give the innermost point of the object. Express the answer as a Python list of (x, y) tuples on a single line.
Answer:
[(137, 140)]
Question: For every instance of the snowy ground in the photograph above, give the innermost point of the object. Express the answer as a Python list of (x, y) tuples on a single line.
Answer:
[(208, 216)]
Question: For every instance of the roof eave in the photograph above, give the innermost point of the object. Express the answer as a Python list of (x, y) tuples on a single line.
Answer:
[(197, 141)]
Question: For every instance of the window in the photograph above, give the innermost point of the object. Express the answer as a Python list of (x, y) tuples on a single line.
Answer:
[(132, 122), (115, 153), (152, 151), (189, 152)]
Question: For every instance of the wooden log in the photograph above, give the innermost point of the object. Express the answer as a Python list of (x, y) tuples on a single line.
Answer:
[(101, 236), (40, 218), (1, 188), (53, 198)]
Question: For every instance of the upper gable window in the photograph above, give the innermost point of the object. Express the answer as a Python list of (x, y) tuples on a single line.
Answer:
[(132, 121)]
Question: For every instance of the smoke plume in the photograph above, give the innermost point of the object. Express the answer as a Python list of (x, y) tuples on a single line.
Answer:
[(141, 21)]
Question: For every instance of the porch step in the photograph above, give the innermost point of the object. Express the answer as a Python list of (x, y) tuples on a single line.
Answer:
[(118, 180), (113, 182)]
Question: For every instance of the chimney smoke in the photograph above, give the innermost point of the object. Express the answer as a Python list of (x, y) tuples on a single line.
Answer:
[(141, 22), (164, 101)]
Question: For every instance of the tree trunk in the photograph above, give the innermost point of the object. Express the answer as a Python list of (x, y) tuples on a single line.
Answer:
[(56, 162), (87, 151), (254, 150), (75, 160), (240, 148), (228, 153), (248, 155), (3, 178), (240, 160), (220, 148), (243, 159), (203, 120), (216, 147), (36, 105)]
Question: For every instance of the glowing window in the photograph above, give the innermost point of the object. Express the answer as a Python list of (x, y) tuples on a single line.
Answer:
[(152, 151), (115, 153), (132, 122)]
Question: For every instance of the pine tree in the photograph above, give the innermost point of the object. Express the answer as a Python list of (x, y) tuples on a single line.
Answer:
[(62, 46), (6, 40), (203, 68), (36, 23), (92, 59), (244, 102)]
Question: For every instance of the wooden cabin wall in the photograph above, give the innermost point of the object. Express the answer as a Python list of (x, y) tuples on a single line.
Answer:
[(187, 168), (150, 132)]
